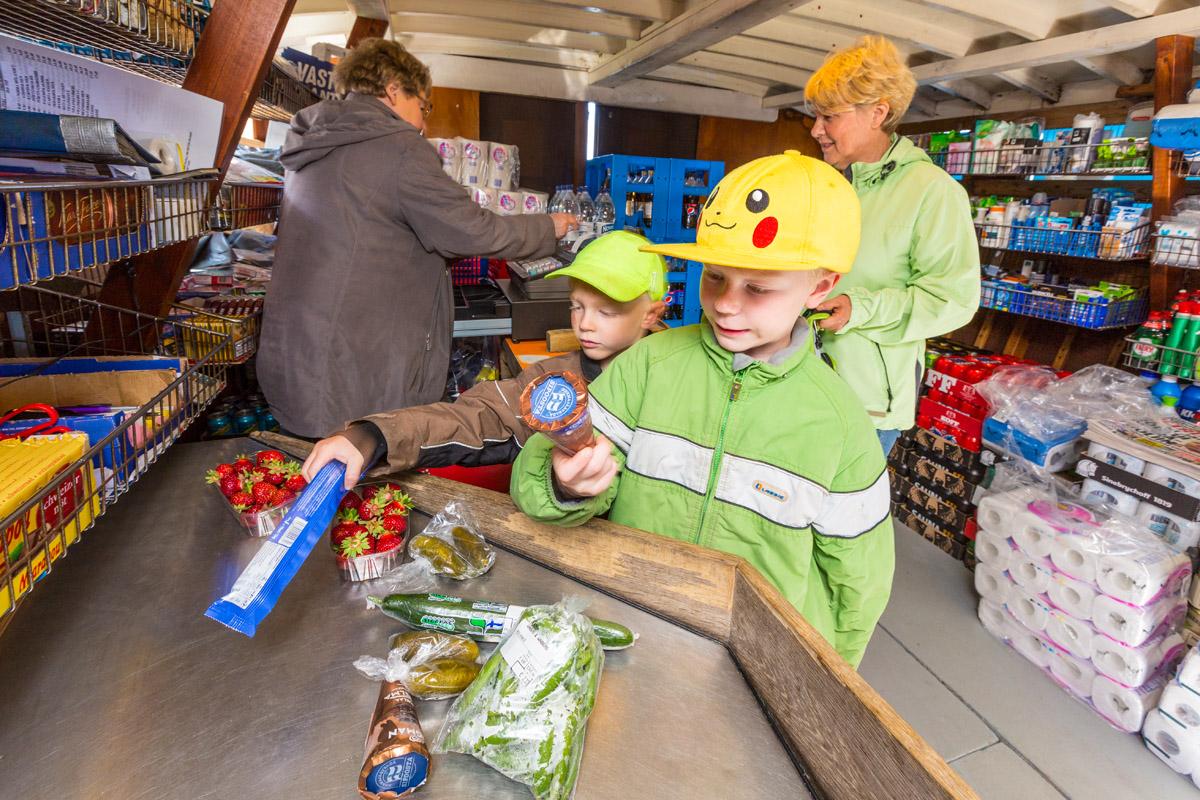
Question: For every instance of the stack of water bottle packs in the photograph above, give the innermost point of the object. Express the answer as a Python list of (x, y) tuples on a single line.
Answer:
[(1090, 599)]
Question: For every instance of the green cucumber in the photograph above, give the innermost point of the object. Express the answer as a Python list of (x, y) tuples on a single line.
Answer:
[(479, 619)]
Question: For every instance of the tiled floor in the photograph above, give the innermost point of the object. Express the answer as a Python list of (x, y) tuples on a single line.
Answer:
[(1008, 730)]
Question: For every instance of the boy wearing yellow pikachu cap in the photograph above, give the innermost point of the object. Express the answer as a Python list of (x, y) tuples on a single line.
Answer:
[(733, 433)]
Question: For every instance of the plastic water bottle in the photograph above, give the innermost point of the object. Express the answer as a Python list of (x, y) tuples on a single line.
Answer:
[(570, 205), (587, 212), (552, 207), (606, 213)]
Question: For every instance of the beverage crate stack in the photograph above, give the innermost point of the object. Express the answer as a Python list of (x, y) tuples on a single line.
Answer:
[(663, 199)]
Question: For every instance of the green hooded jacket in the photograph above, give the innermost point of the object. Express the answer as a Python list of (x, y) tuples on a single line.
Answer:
[(916, 276), (774, 462)]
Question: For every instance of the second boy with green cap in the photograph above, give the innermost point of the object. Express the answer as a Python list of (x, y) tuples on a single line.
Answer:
[(616, 299)]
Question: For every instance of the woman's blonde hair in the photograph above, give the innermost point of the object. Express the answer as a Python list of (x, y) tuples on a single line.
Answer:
[(376, 64), (870, 72)]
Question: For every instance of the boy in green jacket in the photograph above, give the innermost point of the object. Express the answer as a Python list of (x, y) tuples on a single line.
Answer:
[(733, 433)]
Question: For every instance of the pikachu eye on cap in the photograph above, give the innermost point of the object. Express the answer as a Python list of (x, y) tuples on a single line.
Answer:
[(784, 212)]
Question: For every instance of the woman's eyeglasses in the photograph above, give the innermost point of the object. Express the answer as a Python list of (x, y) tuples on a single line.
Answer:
[(426, 107)]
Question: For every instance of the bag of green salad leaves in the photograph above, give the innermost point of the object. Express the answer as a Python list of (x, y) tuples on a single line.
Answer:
[(526, 714)]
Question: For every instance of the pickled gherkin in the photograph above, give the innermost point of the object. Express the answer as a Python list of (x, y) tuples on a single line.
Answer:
[(441, 677), (450, 545), (443, 559), (412, 644)]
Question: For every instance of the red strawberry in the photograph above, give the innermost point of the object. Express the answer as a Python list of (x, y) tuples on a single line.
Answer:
[(344, 530), (286, 495), (351, 500), (354, 545), (368, 510), (347, 515), (241, 465), (263, 493), (256, 475), (275, 474), (241, 501), (388, 541), (268, 457), (394, 524), (230, 485), (369, 492), (225, 469), (295, 483)]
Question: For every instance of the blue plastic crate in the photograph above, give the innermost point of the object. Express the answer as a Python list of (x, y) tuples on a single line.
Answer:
[(623, 174), (683, 283), (689, 178)]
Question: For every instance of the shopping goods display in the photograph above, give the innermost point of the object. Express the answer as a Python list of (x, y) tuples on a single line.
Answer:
[(259, 491), (1086, 596), (556, 404), (431, 665), (485, 620), (369, 531), (526, 714)]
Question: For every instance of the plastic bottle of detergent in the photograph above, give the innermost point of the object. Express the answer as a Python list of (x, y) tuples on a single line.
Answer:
[(1179, 325), (1188, 406), (1148, 339), (1166, 391)]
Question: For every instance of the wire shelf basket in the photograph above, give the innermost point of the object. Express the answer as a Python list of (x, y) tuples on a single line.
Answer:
[(239, 318), (1032, 157), (1104, 244), (282, 95), (54, 229), (141, 31), (1176, 251), (1044, 302), (1159, 358), (242, 205), (42, 328)]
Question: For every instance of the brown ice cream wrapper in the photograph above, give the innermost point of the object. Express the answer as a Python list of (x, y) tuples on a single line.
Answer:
[(556, 404), (397, 762)]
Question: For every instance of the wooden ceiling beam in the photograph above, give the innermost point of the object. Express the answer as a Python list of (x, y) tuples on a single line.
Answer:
[(365, 28), (651, 10), (748, 67), (507, 51), (504, 31), (539, 14), (717, 80), (765, 50)]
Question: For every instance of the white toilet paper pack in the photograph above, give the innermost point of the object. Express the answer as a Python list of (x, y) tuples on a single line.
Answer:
[(502, 163), (1135, 625), (997, 511), (992, 584), (1030, 645), (474, 162), (1035, 575), (1178, 747), (1077, 675), (1144, 576), (995, 619), (1075, 556), (1182, 705), (450, 154), (1072, 596), (1172, 479), (993, 549), (1135, 666), (508, 204), (1031, 610), (1189, 671), (534, 202), (1124, 707), (1176, 531), (1098, 493), (1116, 458), (1033, 534), (485, 198), (1076, 636)]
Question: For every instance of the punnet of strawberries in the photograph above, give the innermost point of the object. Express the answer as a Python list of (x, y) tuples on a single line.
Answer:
[(370, 524), (259, 488)]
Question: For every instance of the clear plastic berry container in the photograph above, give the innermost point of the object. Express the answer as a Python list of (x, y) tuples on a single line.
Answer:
[(370, 566), (258, 523)]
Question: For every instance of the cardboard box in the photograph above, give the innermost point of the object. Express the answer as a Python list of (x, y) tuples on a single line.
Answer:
[(942, 449), (950, 516), (945, 480), (109, 381), (962, 429)]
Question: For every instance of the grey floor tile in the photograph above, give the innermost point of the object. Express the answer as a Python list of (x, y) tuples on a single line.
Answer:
[(998, 773), (942, 719), (933, 614)]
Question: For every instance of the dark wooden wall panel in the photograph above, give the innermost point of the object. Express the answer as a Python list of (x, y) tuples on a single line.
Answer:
[(631, 131), (543, 131)]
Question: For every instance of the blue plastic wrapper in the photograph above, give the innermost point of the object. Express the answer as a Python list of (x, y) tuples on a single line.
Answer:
[(258, 588)]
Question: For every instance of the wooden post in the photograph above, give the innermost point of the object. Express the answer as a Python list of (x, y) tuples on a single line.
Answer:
[(260, 129), (1172, 80), (365, 28), (230, 64), (579, 167)]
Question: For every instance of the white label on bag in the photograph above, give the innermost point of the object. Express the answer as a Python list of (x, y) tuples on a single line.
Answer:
[(526, 654), (262, 566)]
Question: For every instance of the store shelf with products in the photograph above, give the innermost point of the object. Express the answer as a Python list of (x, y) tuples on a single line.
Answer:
[(1102, 244), (1062, 304), (128, 402)]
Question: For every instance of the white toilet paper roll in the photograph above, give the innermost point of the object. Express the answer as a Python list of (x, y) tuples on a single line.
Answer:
[(1030, 646), (997, 511), (1174, 530), (1036, 575), (1134, 666), (1076, 674), (1031, 610), (1073, 635), (450, 154), (995, 619), (1182, 705), (1106, 455), (1124, 707), (1076, 556), (1189, 671), (508, 204), (992, 584), (502, 159), (1178, 747), (1032, 535), (1142, 578), (474, 163), (993, 549), (1172, 479), (1134, 625), (1096, 493), (485, 198), (1072, 596), (534, 202)]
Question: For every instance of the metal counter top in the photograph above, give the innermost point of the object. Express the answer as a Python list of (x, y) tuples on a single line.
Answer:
[(114, 685)]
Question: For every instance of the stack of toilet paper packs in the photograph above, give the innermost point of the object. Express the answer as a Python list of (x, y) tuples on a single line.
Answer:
[(491, 174), (1172, 731), (1092, 600)]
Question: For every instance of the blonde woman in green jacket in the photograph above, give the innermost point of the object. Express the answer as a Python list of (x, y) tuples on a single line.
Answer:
[(917, 270)]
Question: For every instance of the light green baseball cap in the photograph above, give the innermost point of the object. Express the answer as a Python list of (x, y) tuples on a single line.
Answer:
[(616, 266)]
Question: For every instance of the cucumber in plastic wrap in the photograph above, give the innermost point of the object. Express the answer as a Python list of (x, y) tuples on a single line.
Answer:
[(526, 714)]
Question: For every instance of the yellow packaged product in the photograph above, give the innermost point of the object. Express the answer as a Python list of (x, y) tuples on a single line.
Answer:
[(26, 467)]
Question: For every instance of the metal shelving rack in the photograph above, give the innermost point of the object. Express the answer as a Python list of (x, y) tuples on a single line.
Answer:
[(242, 205)]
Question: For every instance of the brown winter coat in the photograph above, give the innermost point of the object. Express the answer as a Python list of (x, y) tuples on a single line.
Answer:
[(359, 313), (482, 427)]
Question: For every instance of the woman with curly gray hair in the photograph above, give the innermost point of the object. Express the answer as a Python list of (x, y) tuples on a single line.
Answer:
[(358, 318)]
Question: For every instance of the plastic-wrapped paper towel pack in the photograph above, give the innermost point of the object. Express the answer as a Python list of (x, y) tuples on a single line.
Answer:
[(1090, 599)]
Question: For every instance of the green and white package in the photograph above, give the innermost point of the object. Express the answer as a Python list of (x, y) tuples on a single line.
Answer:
[(526, 714)]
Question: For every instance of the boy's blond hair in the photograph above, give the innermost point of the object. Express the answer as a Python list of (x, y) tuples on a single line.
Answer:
[(870, 72)]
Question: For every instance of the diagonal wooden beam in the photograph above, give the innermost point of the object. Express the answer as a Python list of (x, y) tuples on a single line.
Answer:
[(1117, 69), (967, 90), (717, 80), (764, 50), (653, 10), (1074, 46), (748, 67), (365, 28), (690, 32), (507, 51), (1033, 82)]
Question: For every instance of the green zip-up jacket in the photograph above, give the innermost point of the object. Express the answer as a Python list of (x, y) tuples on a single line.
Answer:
[(916, 276), (774, 462)]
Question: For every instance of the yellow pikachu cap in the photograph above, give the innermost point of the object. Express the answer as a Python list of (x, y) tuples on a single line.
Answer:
[(784, 212)]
